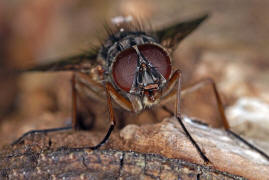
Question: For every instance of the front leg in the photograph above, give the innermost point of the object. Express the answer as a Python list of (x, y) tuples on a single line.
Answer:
[(118, 98), (110, 91), (176, 78), (125, 103)]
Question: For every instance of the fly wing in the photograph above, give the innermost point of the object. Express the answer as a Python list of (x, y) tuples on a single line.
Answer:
[(171, 36), (79, 62)]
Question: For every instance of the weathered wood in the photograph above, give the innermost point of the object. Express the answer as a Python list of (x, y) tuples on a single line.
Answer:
[(159, 151), (102, 164)]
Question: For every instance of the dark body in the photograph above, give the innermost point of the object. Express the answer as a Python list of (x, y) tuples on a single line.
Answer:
[(125, 73)]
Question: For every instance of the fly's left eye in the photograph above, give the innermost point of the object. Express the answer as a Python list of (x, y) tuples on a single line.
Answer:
[(158, 57)]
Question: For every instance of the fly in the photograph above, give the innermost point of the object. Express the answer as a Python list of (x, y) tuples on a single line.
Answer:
[(133, 68)]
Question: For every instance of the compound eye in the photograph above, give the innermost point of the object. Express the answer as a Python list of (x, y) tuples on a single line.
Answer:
[(124, 68), (158, 57)]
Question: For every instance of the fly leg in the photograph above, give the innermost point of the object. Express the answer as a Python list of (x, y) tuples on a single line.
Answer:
[(211, 82), (208, 81), (111, 92), (74, 119), (111, 120), (75, 124), (177, 78), (85, 119), (222, 114), (44, 131), (87, 82)]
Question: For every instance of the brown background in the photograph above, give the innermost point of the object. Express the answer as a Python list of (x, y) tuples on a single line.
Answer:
[(231, 47)]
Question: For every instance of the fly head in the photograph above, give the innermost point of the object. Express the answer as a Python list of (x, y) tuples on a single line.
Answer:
[(142, 71)]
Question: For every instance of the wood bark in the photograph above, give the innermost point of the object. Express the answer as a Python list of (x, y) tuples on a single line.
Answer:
[(102, 164), (158, 151)]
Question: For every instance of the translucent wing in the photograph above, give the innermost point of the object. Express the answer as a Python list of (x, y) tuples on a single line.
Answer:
[(74, 63), (172, 35)]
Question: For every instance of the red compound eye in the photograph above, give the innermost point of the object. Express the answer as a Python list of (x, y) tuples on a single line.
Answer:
[(124, 69), (158, 57)]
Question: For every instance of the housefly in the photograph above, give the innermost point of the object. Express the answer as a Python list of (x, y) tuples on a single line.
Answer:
[(133, 69)]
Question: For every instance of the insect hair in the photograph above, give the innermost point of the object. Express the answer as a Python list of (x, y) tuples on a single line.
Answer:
[(110, 29), (133, 24)]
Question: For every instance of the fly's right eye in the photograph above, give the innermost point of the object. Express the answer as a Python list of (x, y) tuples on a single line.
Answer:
[(124, 69)]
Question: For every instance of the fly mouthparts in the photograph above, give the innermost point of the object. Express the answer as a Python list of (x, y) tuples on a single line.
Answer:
[(151, 86)]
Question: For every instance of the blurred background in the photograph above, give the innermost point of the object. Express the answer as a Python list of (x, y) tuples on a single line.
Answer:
[(231, 47)]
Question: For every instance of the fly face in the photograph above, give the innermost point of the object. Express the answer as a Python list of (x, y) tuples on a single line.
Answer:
[(141, 72)]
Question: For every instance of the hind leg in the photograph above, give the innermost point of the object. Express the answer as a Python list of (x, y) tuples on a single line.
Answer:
[(197, 85)]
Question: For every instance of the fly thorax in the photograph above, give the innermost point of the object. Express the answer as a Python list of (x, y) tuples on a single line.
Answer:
[(120, 41)]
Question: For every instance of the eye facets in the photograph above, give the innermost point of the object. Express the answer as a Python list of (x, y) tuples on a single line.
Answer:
[(157, 62)]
